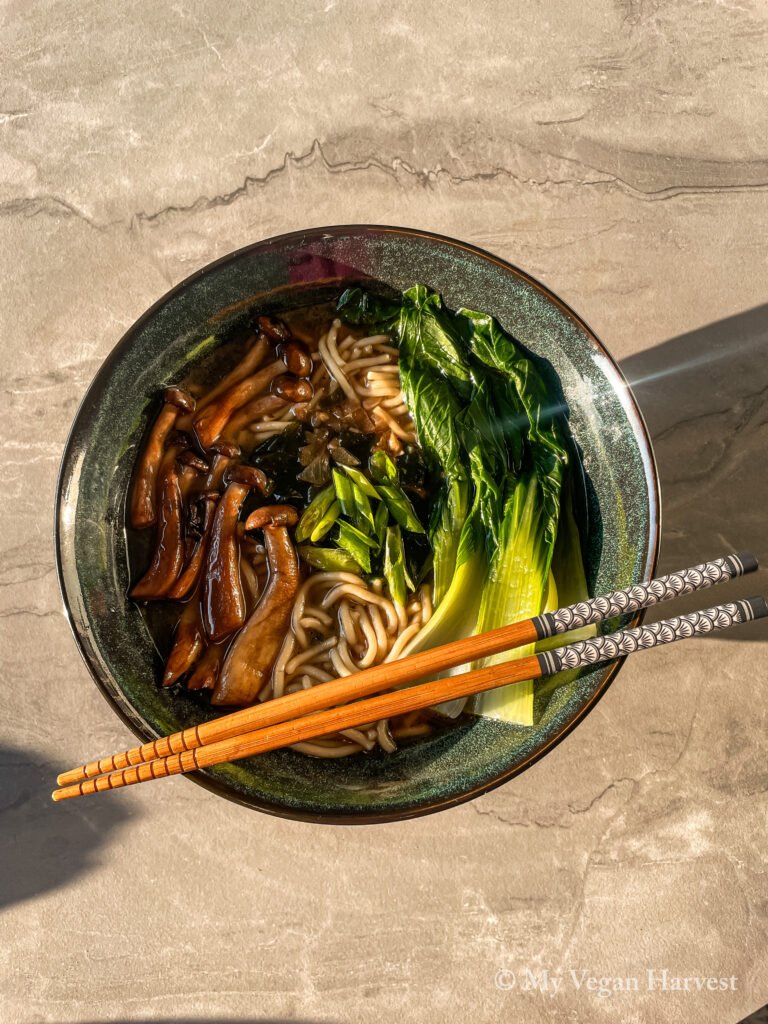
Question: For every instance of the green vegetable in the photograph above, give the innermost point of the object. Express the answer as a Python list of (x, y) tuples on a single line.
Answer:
[(356, 306), (357, 544), (325, 524), (483, 439), (314, 512), (328, 559), (432, 337), (395, 571), (384, 472), (435, 407), (380, 520), (400, 507), (382, 468), (363, 512), (354, 502), (456, 615), (362, 481), (519, 578), (519, 574), (435, 378), (516, 589), (345, 493), (569, 575), (546, 432)]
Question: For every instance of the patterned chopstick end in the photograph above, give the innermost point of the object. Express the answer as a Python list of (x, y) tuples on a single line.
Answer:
[(616, 645)]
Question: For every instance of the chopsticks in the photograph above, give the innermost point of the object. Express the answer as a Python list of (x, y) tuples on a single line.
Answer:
[(279, 722), (578, 655)]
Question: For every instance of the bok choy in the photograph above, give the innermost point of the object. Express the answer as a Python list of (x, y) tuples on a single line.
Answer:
[(485, 418)]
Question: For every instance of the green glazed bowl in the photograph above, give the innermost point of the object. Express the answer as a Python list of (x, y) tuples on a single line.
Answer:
[(278, 274)]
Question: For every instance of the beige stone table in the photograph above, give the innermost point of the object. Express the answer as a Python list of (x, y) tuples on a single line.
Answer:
[(617, 151)]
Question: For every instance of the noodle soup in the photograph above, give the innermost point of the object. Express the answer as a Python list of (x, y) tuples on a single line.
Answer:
[(341, 486)]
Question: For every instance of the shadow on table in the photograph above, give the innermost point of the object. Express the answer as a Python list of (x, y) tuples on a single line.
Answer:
[(45, 845), (758, 1017), (704, 396)]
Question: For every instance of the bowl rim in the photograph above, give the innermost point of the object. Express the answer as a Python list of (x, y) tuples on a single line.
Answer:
[(67, 469)]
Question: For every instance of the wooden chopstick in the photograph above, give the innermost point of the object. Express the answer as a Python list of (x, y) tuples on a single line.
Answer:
[(578, 655), (407, 670)]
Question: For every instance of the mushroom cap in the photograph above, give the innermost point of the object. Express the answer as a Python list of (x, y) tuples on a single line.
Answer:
[(226, 448), (248, 476), (180, 398), (296, 357), (274, 329), (290, 388), (193, 461), (272, 515)]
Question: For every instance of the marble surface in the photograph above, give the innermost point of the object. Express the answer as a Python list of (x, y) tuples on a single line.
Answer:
[(615, 150)]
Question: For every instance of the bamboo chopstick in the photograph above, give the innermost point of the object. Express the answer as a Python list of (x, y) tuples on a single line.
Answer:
[(581, 654), (407, 670)]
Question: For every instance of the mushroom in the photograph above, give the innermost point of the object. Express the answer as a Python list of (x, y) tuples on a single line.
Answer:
[(290, 388), (168, 558), (250, 362), (296, 357), (191, 573), (264, 405), (251, 656), (275, 329), (188, 644), (224, 604), (224, 455), (190, 464), (144, 494), (207, 669), (210, 422)]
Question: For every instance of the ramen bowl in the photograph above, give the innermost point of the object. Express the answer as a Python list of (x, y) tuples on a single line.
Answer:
[(303, 268)]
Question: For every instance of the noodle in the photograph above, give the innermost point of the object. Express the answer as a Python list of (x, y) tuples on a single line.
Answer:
[(320, 646), (331, 358), (384, 736), (317, 749), (378, 625), (400, 644), (371, 642)]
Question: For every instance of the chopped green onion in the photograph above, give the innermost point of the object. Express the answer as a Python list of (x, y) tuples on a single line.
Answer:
[(344, 492), (400, 507), (354, 503), (328, 559), (380, 521), (362, 481), (325, 524), (395, 572), (383, 470), (363, 511), (356, 543), (314, 512)]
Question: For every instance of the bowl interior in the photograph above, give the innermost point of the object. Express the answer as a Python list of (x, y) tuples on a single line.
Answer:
[(279, 274)]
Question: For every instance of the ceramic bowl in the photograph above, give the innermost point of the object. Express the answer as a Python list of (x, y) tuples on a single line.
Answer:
[(278, 274)]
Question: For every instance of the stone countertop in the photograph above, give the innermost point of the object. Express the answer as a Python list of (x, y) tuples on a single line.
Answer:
[(618, 154)]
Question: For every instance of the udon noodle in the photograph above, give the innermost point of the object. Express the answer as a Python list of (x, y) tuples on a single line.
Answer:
[(340, 625)]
